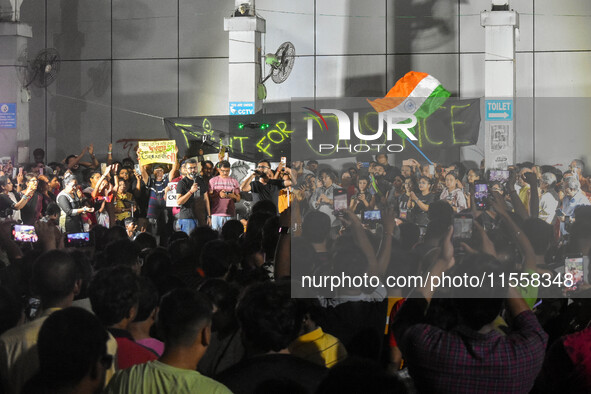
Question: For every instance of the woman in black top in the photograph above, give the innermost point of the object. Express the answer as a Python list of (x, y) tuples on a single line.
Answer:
[(363, 200), (31, 212), (419, 203), (71, 206), (11, 201)]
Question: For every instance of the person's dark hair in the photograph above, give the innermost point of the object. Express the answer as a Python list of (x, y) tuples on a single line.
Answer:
[(217, 257), (199, 237), (359, 375), (316, 226), (175, 236), (207, 162), (539, 233), (381, 154), (312, 162), (157, 265), (52, 209), (54, 275), (347, 257), (84, 270), (122, 252), (90, 174), (182, 314), (270, 236), (70, 343), (115, 233), (225, 164), (99, 233), (363, 178), (224, 296), (477, 306), (426, 178), (68, 158), (452, 173), (11, 309), (191, 161), (264, 161), (266, 206), (232, 230), (127, 162), (113, 292), (460, 170), (409, 235), (181, 254), (145, 241), (331, 174), (148, 299), (254, 228), (269, 317), (3, 181)]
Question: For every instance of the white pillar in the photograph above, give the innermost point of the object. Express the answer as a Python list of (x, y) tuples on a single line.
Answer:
[(14, 98), (499, 86), (244, 71)]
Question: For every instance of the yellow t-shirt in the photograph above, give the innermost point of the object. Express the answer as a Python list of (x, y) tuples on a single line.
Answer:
[(318, 347)]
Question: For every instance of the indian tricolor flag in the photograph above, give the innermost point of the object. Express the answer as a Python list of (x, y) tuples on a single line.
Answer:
[(416, 93)]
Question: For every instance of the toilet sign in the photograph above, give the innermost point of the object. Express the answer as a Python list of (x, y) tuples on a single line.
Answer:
[(501, 110)]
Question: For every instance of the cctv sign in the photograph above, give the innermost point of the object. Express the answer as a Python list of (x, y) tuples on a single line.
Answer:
[(242, 108)]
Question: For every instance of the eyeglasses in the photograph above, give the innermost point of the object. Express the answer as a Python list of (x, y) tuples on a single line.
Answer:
[(263, 167)]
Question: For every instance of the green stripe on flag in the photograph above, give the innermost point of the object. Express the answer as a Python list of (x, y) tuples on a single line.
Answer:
[(435, 100)]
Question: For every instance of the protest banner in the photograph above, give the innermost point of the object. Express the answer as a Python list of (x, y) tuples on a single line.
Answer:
[(157, 152), (171, 195)]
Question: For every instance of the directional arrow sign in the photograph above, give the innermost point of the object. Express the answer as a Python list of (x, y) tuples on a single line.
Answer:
[(499, 110), (503, 115)]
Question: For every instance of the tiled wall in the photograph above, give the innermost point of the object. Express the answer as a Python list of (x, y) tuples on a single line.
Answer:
[(127, 63)]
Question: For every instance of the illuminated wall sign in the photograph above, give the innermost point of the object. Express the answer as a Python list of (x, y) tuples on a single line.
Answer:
[(270, 136), (241, 108)]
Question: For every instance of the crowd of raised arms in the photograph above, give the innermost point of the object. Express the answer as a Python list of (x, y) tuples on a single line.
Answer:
[(105, 288)]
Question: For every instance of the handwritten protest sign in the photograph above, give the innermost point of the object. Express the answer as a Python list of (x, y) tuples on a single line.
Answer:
[(171, 195), (157, 152)]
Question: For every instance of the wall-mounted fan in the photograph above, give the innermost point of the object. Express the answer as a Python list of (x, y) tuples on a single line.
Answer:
[(42, 70), (281, 64)]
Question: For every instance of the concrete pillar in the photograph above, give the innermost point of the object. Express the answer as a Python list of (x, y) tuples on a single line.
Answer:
[(244, 57), (499, 86), (14, 98)]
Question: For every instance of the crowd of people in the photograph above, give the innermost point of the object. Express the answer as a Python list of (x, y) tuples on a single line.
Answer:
[(200, 297)]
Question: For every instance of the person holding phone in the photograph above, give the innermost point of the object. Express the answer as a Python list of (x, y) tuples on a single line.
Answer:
[(322, 198), (71, 206), (11, 202), (31, 212), (363, 200), (419, 204), (224, 193), (452, 194), (262, 183)]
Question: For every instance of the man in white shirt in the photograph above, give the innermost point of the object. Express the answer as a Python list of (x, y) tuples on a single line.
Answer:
[(548, 198)]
